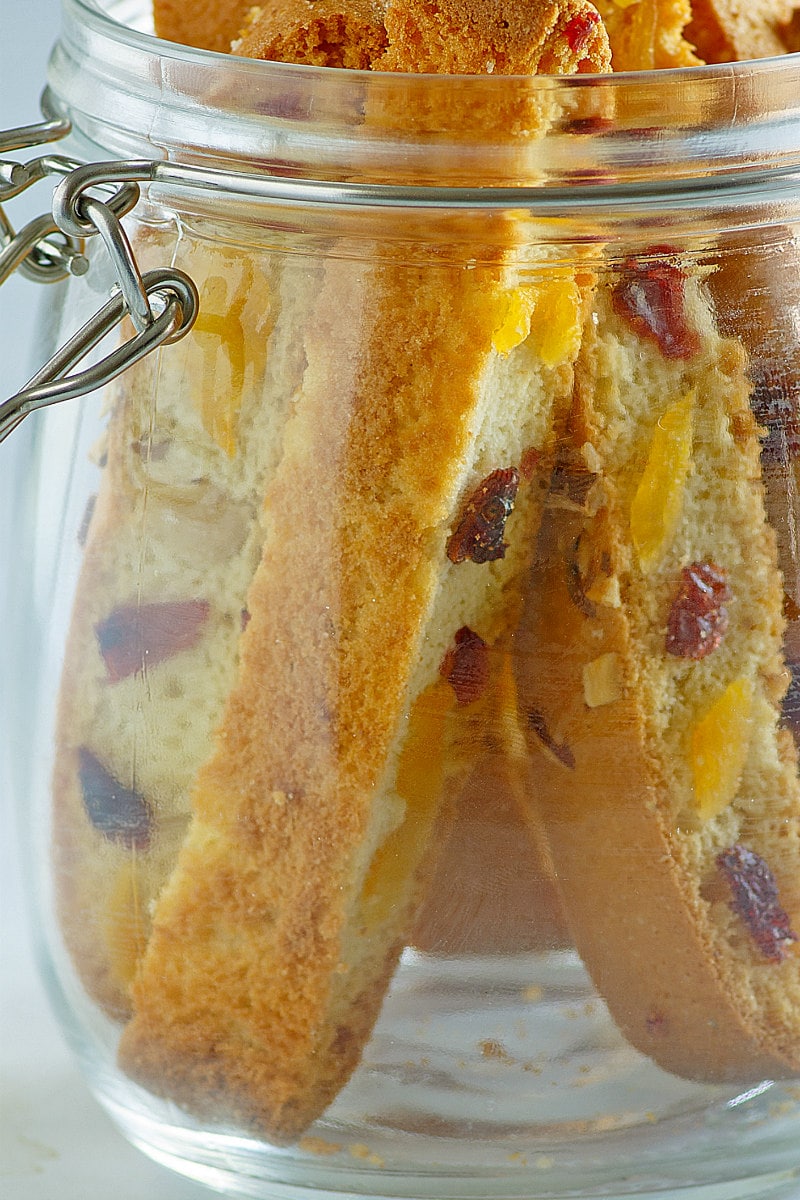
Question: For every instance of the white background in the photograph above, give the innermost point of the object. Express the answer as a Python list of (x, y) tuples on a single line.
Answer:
[(55, 1142)]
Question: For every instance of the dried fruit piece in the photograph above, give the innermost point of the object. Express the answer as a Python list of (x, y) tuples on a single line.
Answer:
[(514, 318), (720, 743), (602, 680), (479, 533), (556, 321), (698, 618), (219, 328), (135, 636), (549, 313), (756, 901), (118, 812), (578, 31), (650, 297), (657, 503), (465, 666)]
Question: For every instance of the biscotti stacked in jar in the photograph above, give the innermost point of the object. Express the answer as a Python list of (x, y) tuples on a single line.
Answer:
[(437, 614)]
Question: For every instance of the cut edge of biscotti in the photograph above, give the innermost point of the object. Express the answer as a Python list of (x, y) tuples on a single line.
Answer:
[(675, 824)]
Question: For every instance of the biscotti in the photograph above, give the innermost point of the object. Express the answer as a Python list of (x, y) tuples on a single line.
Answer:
[(207, 24), (651, 657), (306, 647)]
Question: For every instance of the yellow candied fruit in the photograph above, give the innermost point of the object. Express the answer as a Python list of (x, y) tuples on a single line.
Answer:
[(219, 330), (657, 504), (556, 322), (549, 313), (719, 747), (516, 307), (125, 926), (625, 3), (420, 775)]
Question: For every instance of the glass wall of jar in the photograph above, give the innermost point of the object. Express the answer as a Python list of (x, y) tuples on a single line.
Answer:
[(409, 749)]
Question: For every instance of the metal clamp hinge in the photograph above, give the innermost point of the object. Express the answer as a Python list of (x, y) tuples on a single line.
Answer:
[(89, 199)]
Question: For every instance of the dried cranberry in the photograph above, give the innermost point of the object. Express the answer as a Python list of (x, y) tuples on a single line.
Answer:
[(479, 533), (465, 666), (118, 812), (698, 618), (755, 900), (560, 750), (136, 636), (579, 29), (650, 296)]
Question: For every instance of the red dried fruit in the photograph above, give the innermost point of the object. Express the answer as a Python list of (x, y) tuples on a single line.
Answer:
[(560, 750), (118, 812), (465, 666), (479, 533), (136, 636), (578, 31), (755, 900), (698, 618), (650, 296)]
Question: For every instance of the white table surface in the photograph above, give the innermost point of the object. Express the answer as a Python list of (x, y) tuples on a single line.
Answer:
[(55, 1141)]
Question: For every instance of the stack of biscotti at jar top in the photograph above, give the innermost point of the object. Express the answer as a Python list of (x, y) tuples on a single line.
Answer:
[(651, 649), (312, 526)]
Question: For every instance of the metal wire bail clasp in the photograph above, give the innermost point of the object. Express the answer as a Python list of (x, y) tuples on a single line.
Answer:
[(90, 199)]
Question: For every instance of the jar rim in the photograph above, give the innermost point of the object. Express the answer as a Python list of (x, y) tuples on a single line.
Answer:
[(133, 95)]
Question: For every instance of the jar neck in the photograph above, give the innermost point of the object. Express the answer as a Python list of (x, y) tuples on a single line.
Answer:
[(131, 95)]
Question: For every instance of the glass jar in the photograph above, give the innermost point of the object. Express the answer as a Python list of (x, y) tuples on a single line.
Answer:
[(408, 690)]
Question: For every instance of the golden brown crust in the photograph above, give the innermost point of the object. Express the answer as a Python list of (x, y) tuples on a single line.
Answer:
[(637, 863), (207, 24), (322, 33)]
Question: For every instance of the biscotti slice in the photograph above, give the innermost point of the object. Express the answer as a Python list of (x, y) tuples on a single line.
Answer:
[(294, 891), (172, 541), (388, 555), (729, 31), (651, 655), (322, 33), (207, 24), (649, 35)]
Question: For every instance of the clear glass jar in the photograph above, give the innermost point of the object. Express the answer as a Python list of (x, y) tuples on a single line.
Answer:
[(408, 689)]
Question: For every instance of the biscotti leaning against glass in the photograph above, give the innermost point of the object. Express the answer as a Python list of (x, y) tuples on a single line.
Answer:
[(237, 889), (344, 631)]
